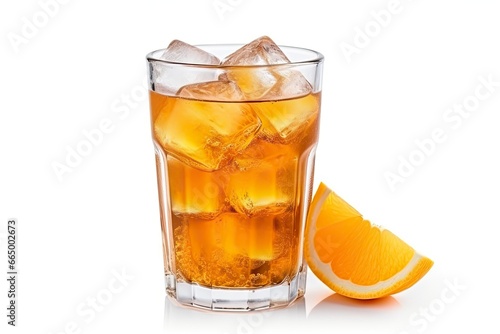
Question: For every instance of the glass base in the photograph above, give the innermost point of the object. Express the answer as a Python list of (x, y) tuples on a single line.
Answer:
[(237, 299)]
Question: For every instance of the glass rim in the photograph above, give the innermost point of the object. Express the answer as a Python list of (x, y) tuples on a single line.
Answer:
[(316, 58)]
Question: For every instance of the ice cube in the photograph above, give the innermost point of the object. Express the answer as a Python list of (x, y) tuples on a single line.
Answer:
[(168, 78), (289, 83), (213, 90), (254, 82), (267, 83), (194, 192), (257, 239), (180, 52), (261, 51), (249, 237), (206, 134), (263, 180), (236, 235), (289, 120)]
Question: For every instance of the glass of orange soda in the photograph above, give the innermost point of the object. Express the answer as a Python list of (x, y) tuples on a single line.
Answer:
[(235, 130)]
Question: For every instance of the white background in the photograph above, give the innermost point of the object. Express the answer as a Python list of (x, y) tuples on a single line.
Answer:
[(85, 61)]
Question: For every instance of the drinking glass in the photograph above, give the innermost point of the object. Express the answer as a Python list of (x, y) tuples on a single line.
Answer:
[(235, 149)]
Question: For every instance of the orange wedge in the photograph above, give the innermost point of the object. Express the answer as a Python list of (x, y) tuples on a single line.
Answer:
[(354, 257)]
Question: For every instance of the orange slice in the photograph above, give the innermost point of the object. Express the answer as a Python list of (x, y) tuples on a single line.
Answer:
[(354, 257)]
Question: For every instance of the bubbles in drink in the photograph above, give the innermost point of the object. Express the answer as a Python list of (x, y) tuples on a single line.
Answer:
[(233, 249)]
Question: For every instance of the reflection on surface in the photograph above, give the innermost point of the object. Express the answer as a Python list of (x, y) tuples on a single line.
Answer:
[(339, 300), (186, 320), (384, 315)]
